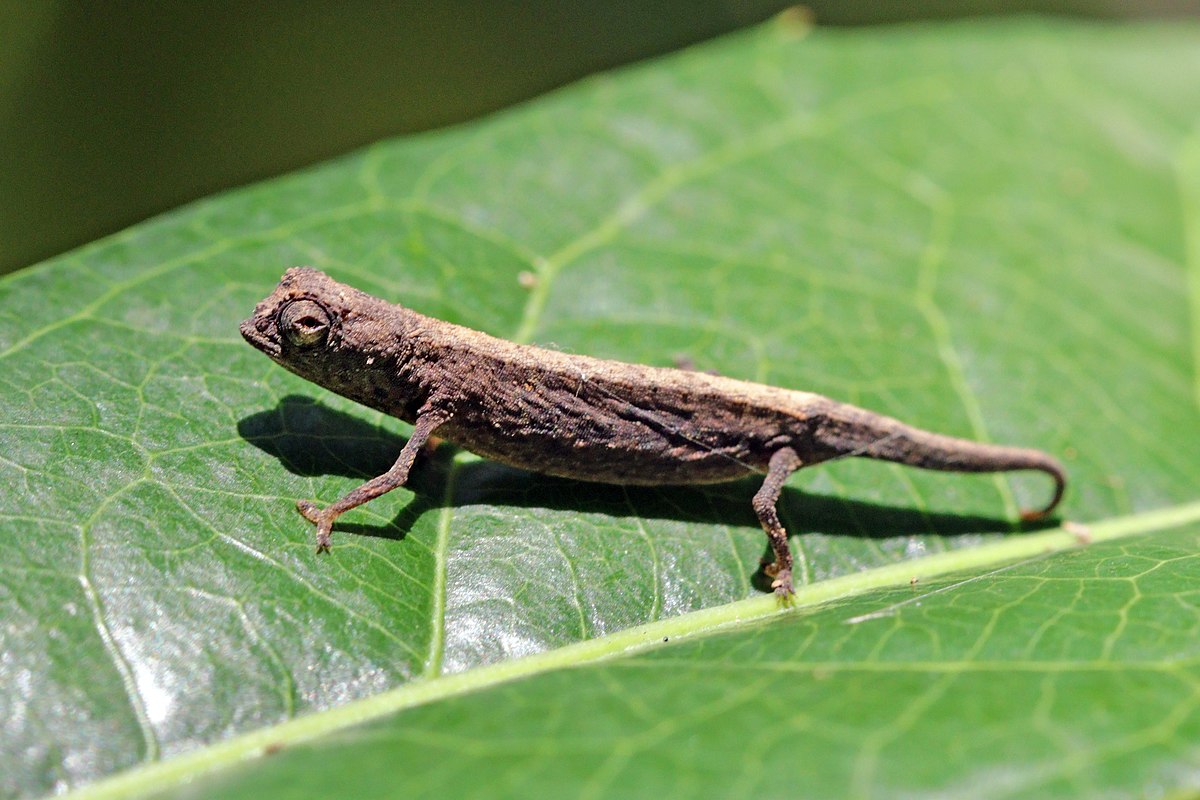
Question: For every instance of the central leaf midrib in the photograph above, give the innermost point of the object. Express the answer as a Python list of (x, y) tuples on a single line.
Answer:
[(631, 640)]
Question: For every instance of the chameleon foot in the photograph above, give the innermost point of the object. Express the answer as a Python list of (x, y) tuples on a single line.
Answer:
[(782, 579), (783, 585), (323, 521)]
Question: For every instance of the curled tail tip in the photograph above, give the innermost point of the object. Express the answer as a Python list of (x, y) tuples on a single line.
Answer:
[(1055, 471), (1035, 514)]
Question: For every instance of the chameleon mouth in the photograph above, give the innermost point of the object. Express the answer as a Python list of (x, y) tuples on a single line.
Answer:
[(254, 336)]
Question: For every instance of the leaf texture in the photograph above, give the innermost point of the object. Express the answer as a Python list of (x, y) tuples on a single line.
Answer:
[(986, 229)]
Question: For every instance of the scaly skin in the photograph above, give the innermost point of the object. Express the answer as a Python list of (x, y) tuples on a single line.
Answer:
[(580, 417)]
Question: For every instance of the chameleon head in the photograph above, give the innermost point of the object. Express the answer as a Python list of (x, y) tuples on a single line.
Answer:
[(293, 321), (329, 333)]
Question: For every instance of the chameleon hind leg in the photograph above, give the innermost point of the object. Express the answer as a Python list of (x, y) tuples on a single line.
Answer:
[(782, 464)]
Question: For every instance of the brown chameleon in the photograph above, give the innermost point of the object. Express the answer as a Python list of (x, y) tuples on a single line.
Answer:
[(581, 417)]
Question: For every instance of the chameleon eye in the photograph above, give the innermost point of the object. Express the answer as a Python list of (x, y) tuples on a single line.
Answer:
[(304, 323)]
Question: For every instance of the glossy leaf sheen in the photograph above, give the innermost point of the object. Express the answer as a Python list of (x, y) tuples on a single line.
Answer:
[(991, 230)]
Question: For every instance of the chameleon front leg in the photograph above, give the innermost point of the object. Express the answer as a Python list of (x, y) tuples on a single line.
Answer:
[(782, 464), (396, 476)]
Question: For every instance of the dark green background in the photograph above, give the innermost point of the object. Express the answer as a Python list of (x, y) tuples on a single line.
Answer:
[(112, 113)]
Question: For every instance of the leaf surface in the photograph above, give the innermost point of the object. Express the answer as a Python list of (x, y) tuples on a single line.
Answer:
[(990, 230)]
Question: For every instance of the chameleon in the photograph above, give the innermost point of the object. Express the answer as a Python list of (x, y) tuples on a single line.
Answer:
[(579, 417)]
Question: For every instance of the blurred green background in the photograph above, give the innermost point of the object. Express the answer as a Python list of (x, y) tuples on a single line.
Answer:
[(110, 113)]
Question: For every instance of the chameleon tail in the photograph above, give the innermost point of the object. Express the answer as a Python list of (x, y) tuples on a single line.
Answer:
[(851, 431)]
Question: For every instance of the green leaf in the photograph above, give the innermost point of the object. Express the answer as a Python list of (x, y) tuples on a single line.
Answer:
[(1053, 676), (991, 230)]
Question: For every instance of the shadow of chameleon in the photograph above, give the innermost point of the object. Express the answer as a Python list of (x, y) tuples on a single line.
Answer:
[(312, 439)]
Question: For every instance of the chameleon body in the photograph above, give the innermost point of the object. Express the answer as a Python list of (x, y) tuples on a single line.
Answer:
[(579, 417)]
